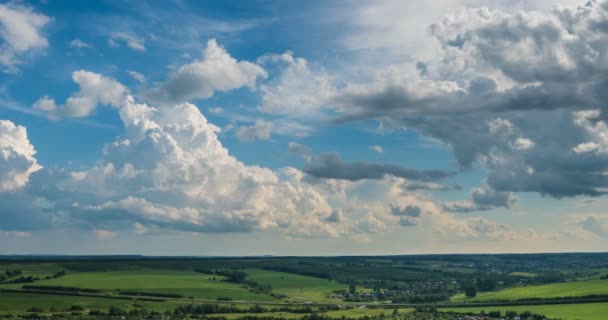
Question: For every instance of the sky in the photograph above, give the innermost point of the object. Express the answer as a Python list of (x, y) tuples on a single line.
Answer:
[(303, 127)]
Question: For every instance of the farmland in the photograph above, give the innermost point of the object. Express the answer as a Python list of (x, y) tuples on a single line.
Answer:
[(400, 287), (554, 290), (591, 311)]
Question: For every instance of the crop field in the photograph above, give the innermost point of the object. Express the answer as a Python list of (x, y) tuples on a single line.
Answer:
[(11, 302), (262, 288), (584, 311), (554, 290), (296, 287), (186, 283)]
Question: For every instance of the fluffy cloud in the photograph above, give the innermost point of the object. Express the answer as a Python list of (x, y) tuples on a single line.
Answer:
[(217, 71), (260, 130), (518, 92), (94, 90), (20, 31), (17, 161), (169, 171), (188, 181), (297, 90)]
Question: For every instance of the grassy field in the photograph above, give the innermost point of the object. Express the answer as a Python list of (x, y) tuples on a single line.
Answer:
[(11, 302), (523, 274), (350, 313), (554, 290), (585, 311), (186, 283), (296, 287)]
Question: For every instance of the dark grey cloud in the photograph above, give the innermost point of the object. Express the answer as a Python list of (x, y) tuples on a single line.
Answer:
[(335, 217), (409, 211), (532, 72), (331, 166), (409, 215), (482, 199)]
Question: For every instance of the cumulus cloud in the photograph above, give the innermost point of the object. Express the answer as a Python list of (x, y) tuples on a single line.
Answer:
[(129, 40), (20, 32), (518, 92), (331, 166), (297, 90), (17, 161), (587, 226), (260, 130), (408, 215), (188, 181), (94, 90), (484, 198), (216, 71), (169, 171)]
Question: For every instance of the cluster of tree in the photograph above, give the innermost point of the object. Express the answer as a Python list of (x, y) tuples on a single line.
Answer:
[(22, 279), (604, 277), (232, 275), (487, 284), (205, 309), (236, 276), (512, 315), (10, 274), (59, 274), (214, 308), (60, 288), (421, 298), (316, 274), (150, 294)]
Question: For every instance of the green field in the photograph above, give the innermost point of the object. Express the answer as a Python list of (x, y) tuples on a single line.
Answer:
[(350, 313), (554, 290), (296, 287), (523, 274), (11, 302), (186, 283), (584, 311), (291, 287)]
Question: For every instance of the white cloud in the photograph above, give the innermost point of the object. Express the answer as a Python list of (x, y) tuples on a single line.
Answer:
[(137, 76), (216, 110), (20, 32), (130, 40), (17, 161), (217, 71), (169, 171), (297, 91), (77, 43), (94, 90), (517, 75), (523, 144), (377, 149), (260, 130)]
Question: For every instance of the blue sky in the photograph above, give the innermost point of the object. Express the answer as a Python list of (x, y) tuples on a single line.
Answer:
[(162, 127)]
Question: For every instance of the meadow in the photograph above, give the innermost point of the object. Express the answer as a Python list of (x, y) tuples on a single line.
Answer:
[(185, 283), (296, 287), (554, 290), (583, 311)]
